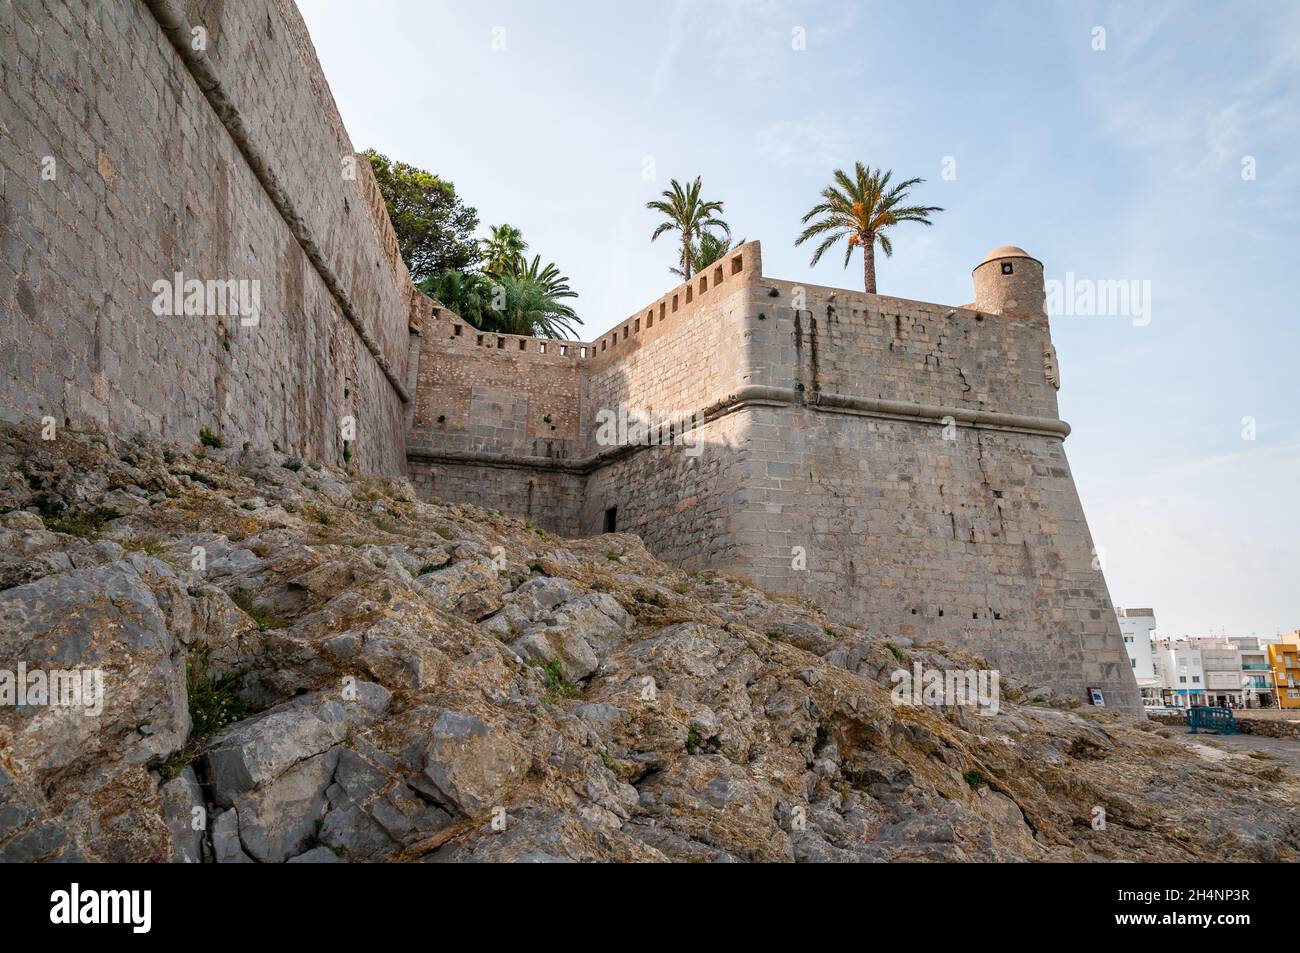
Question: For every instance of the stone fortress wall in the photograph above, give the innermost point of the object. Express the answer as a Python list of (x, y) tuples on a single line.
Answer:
[(911, 453), (127, 156), (897, 461)]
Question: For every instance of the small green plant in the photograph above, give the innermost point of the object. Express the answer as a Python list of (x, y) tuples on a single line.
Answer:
[(86, 525), (557, 686), (259, 614), (693, 740), (612, 556), (347, 451), (50, 505), (609, 762), (225, 343), (214, 700), (680, 588), (431, 567), (169, 457), (140, 544), (896, 652), (446, 532), (209, 439), (293, 465), (649, 598), (975, 779), (324, 518), (214, 703), (247, 444), (247, 506)]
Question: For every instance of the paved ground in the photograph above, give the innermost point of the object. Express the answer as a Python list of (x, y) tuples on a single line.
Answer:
[(1286, 750)]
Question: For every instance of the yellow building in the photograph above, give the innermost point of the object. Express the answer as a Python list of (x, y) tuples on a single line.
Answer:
[(1284, 658)]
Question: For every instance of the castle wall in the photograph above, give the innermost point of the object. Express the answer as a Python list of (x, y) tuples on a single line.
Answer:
[(873, 346), (679, 499), (900, 462), (144, 179), (979, 540), (497, 394)]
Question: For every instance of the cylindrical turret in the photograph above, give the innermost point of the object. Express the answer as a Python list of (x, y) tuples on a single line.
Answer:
[(1009, 281)]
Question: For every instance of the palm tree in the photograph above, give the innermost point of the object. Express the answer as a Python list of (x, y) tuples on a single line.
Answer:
[(862, 208), (503, 249), (689, 215), (529, 299), (709, 249), (535, 302)]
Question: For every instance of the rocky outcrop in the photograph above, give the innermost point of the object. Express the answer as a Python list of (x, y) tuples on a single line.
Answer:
[(304, 666)]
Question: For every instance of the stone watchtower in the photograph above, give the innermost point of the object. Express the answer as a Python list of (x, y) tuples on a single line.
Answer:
[(897, 461), (1010, 281)]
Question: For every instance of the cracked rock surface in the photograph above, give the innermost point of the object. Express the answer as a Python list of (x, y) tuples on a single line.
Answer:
[(304, 665)]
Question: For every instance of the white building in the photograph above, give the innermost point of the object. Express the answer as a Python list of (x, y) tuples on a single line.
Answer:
[(1138, 628), (1182, 672), (1221, 660)]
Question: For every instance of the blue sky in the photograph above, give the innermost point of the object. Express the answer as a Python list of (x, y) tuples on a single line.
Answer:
[(1122, 163)]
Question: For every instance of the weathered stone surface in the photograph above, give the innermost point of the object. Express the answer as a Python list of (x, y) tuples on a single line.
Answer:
[(181, 796), (716, 724), (471, 764), (257, 751), (278, 818), (226, 848)]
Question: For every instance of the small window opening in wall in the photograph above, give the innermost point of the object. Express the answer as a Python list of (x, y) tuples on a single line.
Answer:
[(662, 309), (611, 519), (625, 332), (480, 340), (541, 348), (582, 352), (602, 345), (456, 329), (690, 295), (704, 283), (737, 264), (717, 276), (501, 343), (564, 350), (997, 615), (941, 613), (650, 318), (637, 328), (674, 304), (1006, 268), (523, 345), (974, 615), (913, 612)]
